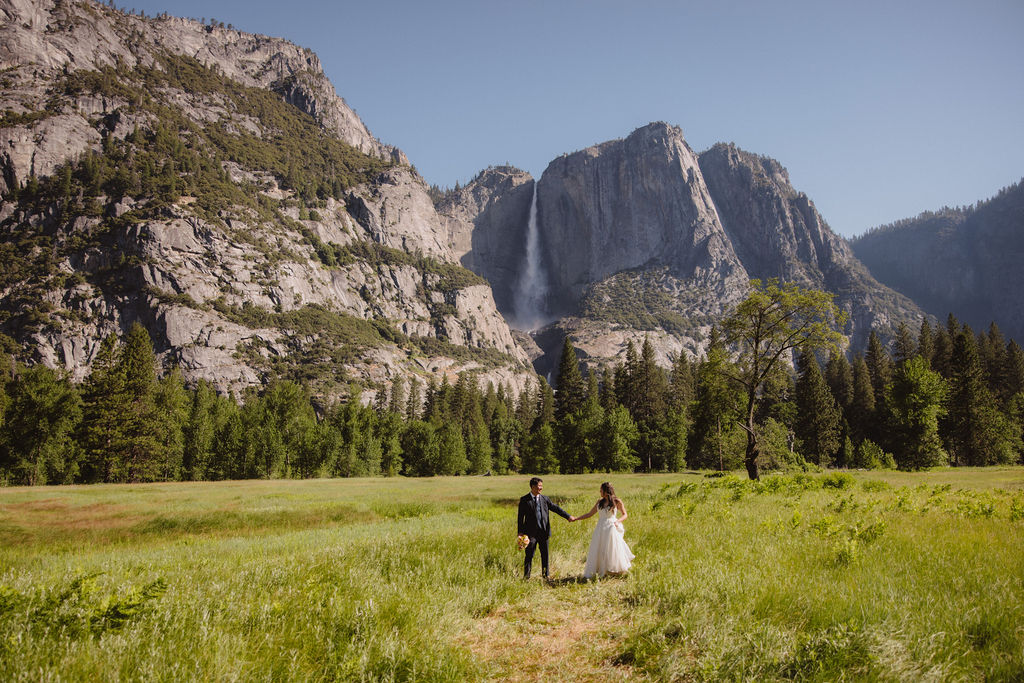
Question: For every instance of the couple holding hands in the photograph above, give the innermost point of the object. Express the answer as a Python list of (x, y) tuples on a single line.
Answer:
[(608, 552)]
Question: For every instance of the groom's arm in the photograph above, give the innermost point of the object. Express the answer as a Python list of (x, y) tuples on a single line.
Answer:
[(560, 511), (521, 518)]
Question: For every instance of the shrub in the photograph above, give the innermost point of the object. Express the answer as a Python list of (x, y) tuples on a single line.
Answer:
[(869, 456), (838, 480)]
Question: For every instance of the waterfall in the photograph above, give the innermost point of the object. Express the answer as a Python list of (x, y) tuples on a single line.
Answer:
[(532, 287)]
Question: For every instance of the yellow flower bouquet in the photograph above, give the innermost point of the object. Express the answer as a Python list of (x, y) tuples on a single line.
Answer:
[(522, 541)]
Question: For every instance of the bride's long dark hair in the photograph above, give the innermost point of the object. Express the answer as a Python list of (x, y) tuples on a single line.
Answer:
[(610, 499)]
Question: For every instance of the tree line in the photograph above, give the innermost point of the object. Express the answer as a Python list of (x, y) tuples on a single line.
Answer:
[(943, 396)]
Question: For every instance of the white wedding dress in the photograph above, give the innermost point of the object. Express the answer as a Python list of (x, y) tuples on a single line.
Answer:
[(608, 550)]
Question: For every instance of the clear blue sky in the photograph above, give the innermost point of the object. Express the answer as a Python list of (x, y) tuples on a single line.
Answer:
[(878, 109)]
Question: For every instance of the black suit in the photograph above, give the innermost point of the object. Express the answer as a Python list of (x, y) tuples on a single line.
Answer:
[(534, 521)]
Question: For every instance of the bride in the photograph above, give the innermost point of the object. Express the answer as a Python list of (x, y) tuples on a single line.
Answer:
[(608, 552)]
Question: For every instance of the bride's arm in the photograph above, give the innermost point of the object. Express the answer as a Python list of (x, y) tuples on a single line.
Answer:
[(622, 508), (593, 510)]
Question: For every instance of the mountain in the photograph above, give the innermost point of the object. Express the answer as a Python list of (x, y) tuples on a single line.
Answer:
[(211, 185), (965, 261), (643, 236), (486, 223)]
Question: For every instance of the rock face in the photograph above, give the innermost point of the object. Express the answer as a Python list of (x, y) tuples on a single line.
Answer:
[(486, 223), (627, 204), (641, 236), (397, 212), (41, 37), (961, 261), (250, 277), (777, 233)]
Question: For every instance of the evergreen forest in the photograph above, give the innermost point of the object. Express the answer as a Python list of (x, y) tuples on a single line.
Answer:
[(942, 396)]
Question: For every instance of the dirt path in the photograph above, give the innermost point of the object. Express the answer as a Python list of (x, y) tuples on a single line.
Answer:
[(565, 632)]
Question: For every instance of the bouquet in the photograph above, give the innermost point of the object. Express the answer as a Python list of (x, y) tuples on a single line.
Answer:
[(522, 541)]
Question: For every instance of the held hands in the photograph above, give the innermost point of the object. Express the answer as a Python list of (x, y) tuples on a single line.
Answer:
[(572, 518)]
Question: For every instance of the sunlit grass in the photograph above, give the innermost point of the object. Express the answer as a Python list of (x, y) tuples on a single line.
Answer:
[(812, 577)]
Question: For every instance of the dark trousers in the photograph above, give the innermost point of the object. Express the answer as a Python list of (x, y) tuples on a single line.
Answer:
[(528, 558)]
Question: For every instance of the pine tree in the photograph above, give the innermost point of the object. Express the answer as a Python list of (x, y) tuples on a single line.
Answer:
[(579, 432), (649, 387), (420, 449), (926, 341), (681, 383), (198, 433), (614, 450), (904, 347), (451, 451), (105, 402), (717, 408), (476, 436), (463, 394), (879, 367), (526, 410), (917, 403), (36, 446), (861, 415), (818, 419), (171, 409), (545, 413), (398, 403), (380, 401), (145, 450), (624, 374), (994, 360), (388, 431), (953, 327), (539, 451), (490, 405), (412, 410), (941, 362), (571, 388), (284, 436), (608, 398), (977, 433), (648, 393), (839, 377), (438, 408), (505, 432), (1014, 371)]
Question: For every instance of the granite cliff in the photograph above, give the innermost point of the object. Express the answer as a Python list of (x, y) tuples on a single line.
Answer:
[(644, 237), (212, 185), (777, 232)]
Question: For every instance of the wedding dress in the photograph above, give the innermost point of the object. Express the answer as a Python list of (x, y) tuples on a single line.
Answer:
[(608, 550)]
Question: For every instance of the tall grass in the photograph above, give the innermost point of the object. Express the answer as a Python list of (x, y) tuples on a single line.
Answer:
[(806, 577)]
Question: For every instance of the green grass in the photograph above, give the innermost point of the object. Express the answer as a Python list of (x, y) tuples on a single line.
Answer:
[(863, 576)]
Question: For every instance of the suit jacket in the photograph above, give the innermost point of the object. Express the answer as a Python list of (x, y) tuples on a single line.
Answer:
[(533, 522)]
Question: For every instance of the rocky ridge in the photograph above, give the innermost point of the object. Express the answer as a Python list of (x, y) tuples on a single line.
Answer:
[(42, 38), (240, 271), (778, 233), (966, 261)]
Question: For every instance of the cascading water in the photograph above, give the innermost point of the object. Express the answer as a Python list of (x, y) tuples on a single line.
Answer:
[(532, 287)]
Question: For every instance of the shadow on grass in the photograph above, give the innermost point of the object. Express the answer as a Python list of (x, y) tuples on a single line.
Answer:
[(579, 578)]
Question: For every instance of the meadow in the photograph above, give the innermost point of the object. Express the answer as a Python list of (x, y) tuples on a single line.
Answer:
[(881, 576)]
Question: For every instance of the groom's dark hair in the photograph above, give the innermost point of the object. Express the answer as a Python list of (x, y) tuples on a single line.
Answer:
[(534, 481)]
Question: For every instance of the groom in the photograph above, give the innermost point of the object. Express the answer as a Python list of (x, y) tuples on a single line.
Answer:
[(533, 521)]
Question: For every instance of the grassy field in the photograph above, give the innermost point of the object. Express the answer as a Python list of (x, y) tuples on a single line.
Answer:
[(862, 576)]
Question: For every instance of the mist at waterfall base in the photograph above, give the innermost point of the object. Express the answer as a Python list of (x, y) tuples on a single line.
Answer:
[(532, 288)]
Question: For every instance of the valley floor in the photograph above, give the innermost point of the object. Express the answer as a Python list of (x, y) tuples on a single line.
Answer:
[(862, 576)]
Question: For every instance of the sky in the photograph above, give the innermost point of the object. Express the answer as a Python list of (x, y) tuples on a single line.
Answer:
[(879, 110)]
